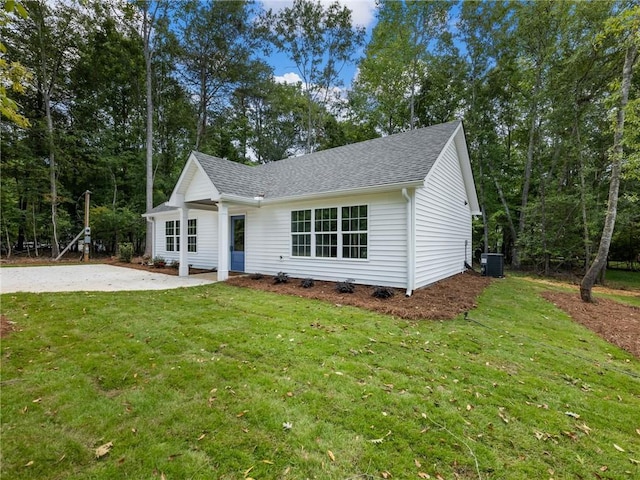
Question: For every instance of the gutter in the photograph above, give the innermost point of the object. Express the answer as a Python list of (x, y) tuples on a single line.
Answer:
[(410, 244), (328, 194)]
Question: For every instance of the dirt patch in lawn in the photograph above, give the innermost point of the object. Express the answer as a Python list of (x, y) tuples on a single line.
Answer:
[(617, 323), (6, 326), (440, 301)]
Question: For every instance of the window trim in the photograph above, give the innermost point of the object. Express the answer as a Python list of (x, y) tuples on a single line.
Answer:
[(339, 233), (192, 236), (174, 236)]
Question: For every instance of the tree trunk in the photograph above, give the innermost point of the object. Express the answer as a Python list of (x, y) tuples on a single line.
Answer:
[(583, 200), (485, 226), (6, 230), (527, 171), (47, 84), (148, 248), (600, 262), (202, 107), (35, 238)]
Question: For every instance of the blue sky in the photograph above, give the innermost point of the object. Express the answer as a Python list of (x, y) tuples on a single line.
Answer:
[(363, 13)]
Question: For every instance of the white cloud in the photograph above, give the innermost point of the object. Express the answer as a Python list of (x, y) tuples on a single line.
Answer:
[(362, 11), (290, 77)]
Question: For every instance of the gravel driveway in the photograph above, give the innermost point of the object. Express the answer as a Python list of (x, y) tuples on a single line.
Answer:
[(94, 277)]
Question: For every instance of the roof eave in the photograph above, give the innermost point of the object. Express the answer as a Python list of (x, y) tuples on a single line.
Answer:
[(347, 191)]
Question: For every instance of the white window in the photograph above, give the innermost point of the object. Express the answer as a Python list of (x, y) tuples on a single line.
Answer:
[(301, 233), (172, 234), (192, 235), (330, 232), (326, 232), (354, 232)]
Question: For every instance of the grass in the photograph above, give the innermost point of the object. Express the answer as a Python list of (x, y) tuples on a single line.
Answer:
[(623, 279), (222, 382)]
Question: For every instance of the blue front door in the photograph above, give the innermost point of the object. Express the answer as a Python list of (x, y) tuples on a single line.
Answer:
[(237, 243)]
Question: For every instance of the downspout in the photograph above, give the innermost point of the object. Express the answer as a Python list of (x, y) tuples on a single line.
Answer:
[(410, 244)]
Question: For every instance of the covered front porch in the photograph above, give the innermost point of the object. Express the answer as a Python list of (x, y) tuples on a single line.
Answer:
[(220, 235)]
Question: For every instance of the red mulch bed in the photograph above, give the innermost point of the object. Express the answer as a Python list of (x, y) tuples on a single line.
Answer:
[(616, 323), (440, 301)]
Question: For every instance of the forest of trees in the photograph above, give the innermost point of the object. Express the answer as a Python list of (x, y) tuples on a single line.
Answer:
[(111, 96)]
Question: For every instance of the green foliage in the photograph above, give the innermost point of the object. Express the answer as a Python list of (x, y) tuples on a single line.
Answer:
[(281, 277), (159, 262), (382, 292), (307, 283), (110, 225), (319, 40), (12, 74), (346, 286), (199, 382), (125, 252)]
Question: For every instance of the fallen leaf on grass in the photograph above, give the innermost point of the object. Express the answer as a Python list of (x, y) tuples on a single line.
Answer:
[(37, 400), (331, 455), (502, 415), (417, 462), (246, 472), (242, 414), (386, 474), (638, 431), (29, 463), (619, 448), (584, 428), (423, 475), (202, 436), (378, 441), (571, 414), (634, 461), (102, 450)]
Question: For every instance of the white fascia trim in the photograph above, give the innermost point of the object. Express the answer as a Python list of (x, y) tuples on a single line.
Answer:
[(178, 189), (465, 167), (349, 191)]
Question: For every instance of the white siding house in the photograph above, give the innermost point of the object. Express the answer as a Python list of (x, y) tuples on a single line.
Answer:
[(393, 211)]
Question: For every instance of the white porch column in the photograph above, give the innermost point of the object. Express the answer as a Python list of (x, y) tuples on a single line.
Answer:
[(223, 241), (184, 260)]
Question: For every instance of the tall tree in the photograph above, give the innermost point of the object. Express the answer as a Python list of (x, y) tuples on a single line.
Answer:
[(320, 41), (627, 27), (152, 14), (215, 47), (400, 66), (54, 42)]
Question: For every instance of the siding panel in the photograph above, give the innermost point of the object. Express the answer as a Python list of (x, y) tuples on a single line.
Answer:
[(443, 222), (199, 186), (207, 238), (268, 247)]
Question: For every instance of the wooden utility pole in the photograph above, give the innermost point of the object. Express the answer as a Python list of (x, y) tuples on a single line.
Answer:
[(87, 229)]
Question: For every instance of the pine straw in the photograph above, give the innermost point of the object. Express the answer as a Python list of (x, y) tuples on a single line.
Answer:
[(440, 301)]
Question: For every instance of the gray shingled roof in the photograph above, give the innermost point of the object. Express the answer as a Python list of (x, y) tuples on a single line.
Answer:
[(163, 207), (401, 158)]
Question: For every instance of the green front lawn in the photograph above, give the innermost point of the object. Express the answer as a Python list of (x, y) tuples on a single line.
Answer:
[(229, 383)]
